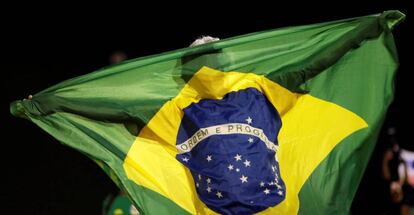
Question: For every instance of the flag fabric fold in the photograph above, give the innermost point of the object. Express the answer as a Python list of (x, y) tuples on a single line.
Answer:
[(280, 121)]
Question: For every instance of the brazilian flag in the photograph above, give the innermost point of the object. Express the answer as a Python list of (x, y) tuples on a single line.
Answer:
[(275, 122)]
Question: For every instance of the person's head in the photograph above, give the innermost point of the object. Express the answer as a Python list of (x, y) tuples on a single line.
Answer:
[(192, 62), (204, 40)]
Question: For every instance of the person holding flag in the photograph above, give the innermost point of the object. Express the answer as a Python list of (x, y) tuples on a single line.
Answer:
[(280, 121)]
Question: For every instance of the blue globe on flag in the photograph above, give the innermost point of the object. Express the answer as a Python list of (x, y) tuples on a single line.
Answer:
[(230, 146)]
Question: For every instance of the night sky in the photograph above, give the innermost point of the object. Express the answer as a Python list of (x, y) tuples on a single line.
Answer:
[(44, 47)]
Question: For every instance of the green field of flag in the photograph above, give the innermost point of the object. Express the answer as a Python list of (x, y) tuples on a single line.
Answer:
[(331, 83)]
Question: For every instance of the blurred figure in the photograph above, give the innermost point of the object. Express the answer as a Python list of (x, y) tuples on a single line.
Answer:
[(391, 164), (398, 171), (117, 57), (406, 173)]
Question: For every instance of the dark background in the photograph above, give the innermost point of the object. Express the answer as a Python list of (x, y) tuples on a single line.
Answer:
[(43, 47)]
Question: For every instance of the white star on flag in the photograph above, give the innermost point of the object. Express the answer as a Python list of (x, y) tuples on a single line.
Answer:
[(208, 180), (185, 159), (208, 189), (230, 167), (237, 157), (246, 163), (280, 193), (209, 158), (249, 120), (244, 179), (197, 184), (237, 170), (218, 194), (250, 140), (262, 184), (266, 191), (199, 177)]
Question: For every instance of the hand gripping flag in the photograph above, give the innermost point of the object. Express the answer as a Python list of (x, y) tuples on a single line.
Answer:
[(275, 122)]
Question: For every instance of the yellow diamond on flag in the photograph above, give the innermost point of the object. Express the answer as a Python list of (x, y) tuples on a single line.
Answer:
[(311, 128)]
